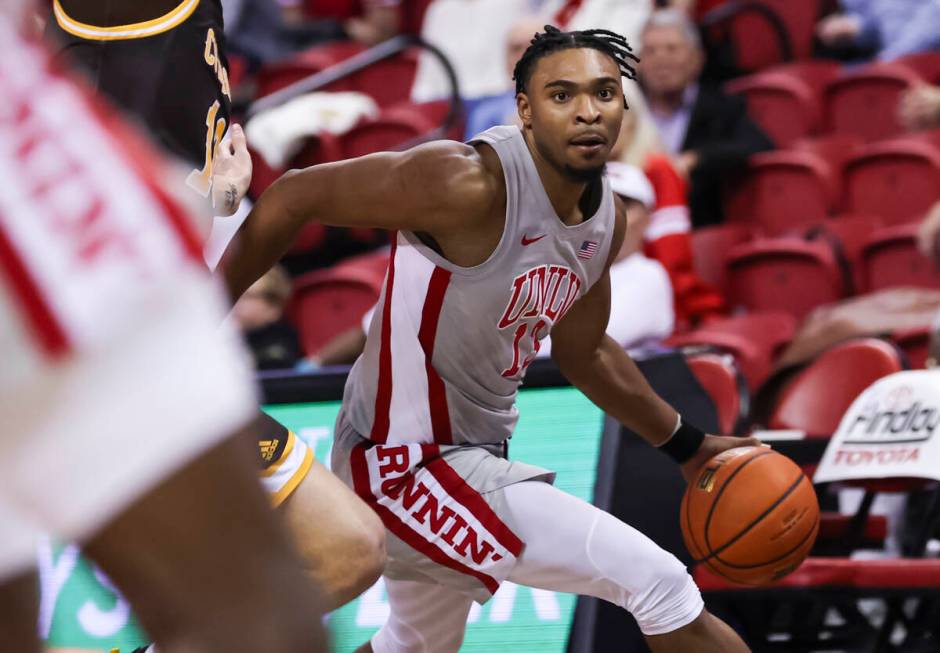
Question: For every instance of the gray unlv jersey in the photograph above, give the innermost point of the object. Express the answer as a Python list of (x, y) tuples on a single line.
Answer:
[(448, 346)]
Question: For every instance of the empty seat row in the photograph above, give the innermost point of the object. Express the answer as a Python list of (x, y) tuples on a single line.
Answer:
[(387, 82), (806, 98), (794, 274), (786, 190)]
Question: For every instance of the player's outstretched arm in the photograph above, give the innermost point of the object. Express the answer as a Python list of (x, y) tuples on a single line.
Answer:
[(605, 373), (432, 188)]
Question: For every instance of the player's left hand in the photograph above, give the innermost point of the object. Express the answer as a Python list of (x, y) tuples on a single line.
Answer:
[(712, 446), (231, 172)]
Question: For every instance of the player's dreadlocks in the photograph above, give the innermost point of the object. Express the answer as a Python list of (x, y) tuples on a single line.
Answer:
[(553, 39)]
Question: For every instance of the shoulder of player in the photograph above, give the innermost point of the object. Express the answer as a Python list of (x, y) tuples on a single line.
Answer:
[(454, 175), (620, 229)]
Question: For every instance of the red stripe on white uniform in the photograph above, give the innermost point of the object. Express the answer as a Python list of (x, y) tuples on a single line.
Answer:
[(437, 395), (46, 328), (361, 483), (466, 495), (175, 215), (141, 158), (383, 394)]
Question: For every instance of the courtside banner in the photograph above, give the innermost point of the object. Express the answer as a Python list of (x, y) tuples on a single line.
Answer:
[(891, 430)]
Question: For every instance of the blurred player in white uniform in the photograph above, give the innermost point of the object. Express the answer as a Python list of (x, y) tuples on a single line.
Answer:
[(118, 392), (164, 63)]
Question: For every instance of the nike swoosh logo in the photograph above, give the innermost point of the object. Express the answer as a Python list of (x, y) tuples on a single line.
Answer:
[(529, 241)]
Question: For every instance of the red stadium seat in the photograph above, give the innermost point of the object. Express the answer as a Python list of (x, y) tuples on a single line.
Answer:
[(786, 101), (864, 101), (412, 15), (834, 149), (328, 302), (336, 9), (753, 39), (815, 400), (915, 343), (847, 234), (710, 245), (890, 258), (275, 76), (389, 131), (436, 112), (319, 149), (852, 232), (720, 378), (388, 81), (373, 265), (311, 237), (898, 180), (323, 148), (929, 136), (785, 274), (925, 64), (262, 175), (754, 340), (784, 191), (787, 190)]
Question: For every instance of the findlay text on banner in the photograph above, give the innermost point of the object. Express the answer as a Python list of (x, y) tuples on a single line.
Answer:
[(891, 430)]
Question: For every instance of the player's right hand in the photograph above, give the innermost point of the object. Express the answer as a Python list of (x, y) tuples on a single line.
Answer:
[(711, 447)]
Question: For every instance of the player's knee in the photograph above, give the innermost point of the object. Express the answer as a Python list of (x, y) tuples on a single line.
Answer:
[(670, 599)]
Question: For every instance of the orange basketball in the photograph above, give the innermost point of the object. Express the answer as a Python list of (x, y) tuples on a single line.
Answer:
[(751, 515)]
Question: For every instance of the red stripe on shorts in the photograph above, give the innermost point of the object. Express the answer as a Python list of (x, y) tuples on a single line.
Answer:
[(458, 488), (437, 395), (404, 532), (383, 393), (46, 328)]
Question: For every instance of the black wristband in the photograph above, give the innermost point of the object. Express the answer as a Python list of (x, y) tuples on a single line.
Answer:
[(684, 443)]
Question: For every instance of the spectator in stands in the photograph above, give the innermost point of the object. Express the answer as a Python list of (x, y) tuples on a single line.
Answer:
[(500, 109), (367, 21), (260, 314), (708, 134), (268, 30), (928, 242), (640, 160), (919, 109), (469, 34), (697, 9), (625, 17), (884, 29)]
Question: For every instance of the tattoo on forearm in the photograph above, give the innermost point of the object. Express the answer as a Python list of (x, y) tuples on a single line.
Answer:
[(231, 197)]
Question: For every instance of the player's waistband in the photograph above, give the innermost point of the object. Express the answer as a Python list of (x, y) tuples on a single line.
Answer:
[(498, 449), (158, 25)]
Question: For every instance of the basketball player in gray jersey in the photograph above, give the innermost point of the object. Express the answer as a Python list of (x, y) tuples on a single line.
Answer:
[(500, 241)]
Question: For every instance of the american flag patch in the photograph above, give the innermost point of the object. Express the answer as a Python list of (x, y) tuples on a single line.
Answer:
[(587, 249)]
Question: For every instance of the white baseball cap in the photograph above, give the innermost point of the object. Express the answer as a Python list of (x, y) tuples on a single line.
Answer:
[(630, 182)]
